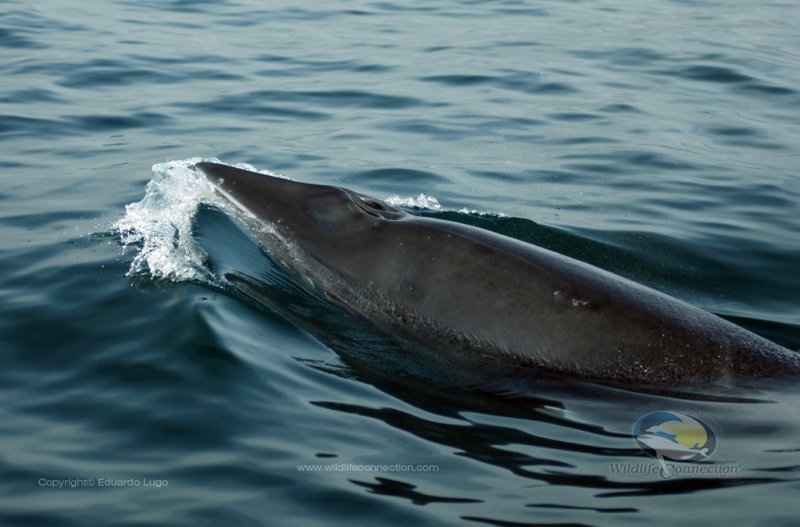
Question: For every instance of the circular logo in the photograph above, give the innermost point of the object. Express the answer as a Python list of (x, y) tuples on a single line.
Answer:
[(674, 436)]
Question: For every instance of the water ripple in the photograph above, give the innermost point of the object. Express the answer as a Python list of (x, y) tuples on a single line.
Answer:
[(250, 105), (14, 125), (421, 178), (518, 81), (710, 74), (85, 76), (94, 123), (11, 38)]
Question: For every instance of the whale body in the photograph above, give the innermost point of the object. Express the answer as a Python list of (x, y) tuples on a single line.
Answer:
[(480, 299)]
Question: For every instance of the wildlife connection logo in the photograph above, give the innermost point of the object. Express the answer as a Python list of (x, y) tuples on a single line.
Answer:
[(681, 445)]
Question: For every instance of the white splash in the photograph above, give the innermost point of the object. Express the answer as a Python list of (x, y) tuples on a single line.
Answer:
[(423, 201), (161, 223), (473, 212)]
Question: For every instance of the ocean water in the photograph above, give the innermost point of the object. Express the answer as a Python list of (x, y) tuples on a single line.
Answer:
[(658, 140)]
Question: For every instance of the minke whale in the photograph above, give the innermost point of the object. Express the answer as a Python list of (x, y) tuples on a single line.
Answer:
[(472, 297)]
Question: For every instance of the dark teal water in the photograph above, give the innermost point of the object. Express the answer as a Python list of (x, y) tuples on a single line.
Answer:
[(656, 139)]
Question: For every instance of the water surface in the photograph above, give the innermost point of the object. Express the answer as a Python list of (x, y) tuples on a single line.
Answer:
[(658, 140)]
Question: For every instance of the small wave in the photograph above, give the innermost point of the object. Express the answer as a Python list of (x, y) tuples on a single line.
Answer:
[(473, 212), (423, 201), (429, 203)]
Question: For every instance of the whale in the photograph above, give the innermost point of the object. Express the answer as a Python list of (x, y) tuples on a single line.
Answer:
[(475, 299)]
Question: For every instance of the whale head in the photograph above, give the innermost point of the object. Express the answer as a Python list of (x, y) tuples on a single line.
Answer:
[(325, 222), (294, 204)]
